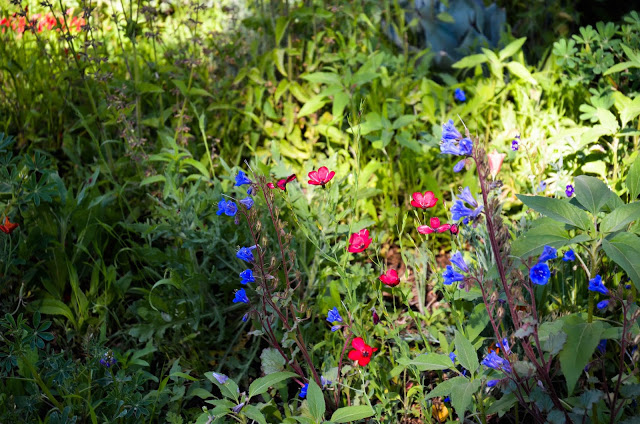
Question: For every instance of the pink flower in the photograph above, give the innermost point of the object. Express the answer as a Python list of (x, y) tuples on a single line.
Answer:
[(390, 278), (321, 177), (454, 229), (424, 201), (359, 241), (434, 228), (282, 184), (362, 353), (495, 162)]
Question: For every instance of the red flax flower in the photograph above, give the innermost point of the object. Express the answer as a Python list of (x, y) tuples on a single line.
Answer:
[(359, 241), (390, 278), (282, 184), (362, 353), (423, 201), (434, 228), (321, 177), (8, 226)]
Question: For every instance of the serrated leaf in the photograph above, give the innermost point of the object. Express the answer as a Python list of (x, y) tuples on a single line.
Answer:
[(315, 401), (262, 384), (462, 396), (467, 355), (620, 218), (348, 414), (633, 179), (432, 362), (592, 193), (582, 340), (624, 249), (558, 209)]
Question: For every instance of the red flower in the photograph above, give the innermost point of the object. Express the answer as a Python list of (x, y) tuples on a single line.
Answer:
[(362, 352), (424, 201), (282, 184), (454, 229), (374, 316), (390, 278), (321, 177), (434, 228), (359, 241), (8, 226)]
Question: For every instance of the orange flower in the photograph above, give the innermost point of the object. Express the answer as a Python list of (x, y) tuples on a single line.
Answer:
[(8, 226)]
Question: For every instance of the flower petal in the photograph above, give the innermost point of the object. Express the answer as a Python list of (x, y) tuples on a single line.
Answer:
[(358, 343)]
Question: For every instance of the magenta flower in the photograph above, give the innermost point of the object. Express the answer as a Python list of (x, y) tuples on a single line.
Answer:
[(321, 177), (359, 241), (434, 228)]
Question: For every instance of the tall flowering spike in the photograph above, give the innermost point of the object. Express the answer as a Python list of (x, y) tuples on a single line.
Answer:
[(466, 195), (495, 162), (569, 256), (459, 262), (242, 179), (362, 352), (540, 273), (359, 241), (595, 284), (450, 276), (8, 226), (333, 315), (460, 95), (321, 177), (547, 254), (245, 253), (241, 296), (492, 360), (424, 201), (434, 227), (247, 202), (391, 278), (247, 276)]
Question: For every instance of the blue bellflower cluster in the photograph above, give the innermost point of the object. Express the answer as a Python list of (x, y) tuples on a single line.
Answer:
[(459, 210), (540, 272), (450, 275), (227, 207), (334, 316), (492, 360), (453, 143), (247, 277)]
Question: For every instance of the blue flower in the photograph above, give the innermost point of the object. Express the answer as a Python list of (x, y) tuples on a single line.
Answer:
[(251, 190), (468, 197), (108, 360), (540, 273), (569, 256), (459, 95), (238, 407), (569, 190), (466, 147), (459, 210), (324, 381), (241, 296), (245, 253), (245, 317), (247, 276), (603, 304), (492, 383), (492, 360), (447, 399), (449, 132), (452, 356), (241, 179), (333, 315), (459, 262), (336, 328), (595, 284), (221, 378), (450, 276), (222, 206), (542, 186), (547, 254), (247, 202), (505, 346), (514, 145), (228, 207), (449, 147), (602, 346), (303, 391), (459, 166)]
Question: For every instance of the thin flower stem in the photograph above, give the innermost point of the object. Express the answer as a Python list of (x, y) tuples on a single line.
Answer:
[(336, 394)]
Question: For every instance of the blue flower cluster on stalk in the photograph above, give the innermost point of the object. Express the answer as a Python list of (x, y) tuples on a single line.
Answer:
[(459, 210), (227, 207), (453, 143), (540, 272), (596, 285), (450, 275), (247, 277), (492, 360), (334, 316), (108, 360)]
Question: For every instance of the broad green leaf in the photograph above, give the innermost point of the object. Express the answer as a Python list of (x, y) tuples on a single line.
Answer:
[(546, 231), (198, 165), (462, 395), (633, 179), (558, 209), (340, 101), (315, 401), (620, 218), (352, 413), (512, 48), (624, 249), (630, 111), (432, 362), (271, 361), (50, 306), (502, 405), (470, 61), (619, 67), (252, 412), (554, 343), (592, 193), (607, 119), (315, 103), (278, 59), (229, 389), (466, 352), (327, 78), (477, 321), (582, 340), (519, 70), (444, 388), (403, 121), (261, 385)]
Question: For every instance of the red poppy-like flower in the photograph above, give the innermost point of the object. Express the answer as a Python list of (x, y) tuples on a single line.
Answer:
[(454, 229), (424, 201), (362, 353), (282, 184), (434, 228), (359, 241), (8, 226), (390, 278), (321, 177)]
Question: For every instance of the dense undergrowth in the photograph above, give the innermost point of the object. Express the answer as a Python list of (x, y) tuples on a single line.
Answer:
[(164, 256)]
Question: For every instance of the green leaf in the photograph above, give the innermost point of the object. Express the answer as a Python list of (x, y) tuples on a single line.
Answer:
[(444, 388), (432, 362), (229, 389), (153, 179), (261, 385), (519, 70), (462, 395), (624, 249), (466, 352), (555, 342), (592, 193), (633, 179), (315, 103), (253, 413), (315, 401), (502, 405), (352, 413), (512, 48), (620, 218), (327, 78), (477, 321), (470, 61), (630, 111), (582, 340), (278, 59), (558, 209), (545, 231), (50, 306), (281, 26), (271, 361)]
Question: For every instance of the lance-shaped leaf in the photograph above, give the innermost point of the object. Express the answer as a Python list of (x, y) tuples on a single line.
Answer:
[(558, 209)]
